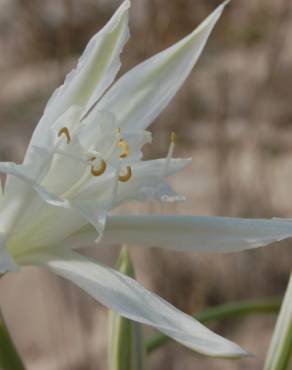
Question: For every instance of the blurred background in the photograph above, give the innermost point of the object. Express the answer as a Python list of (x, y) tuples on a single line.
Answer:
[(233, 116)]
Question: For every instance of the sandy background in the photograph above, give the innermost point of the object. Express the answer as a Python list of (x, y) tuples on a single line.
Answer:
[(233, 116)]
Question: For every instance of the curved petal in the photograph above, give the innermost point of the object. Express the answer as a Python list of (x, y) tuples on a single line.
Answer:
[(124, 295), (139, 96), (95, 71), (191, 233)]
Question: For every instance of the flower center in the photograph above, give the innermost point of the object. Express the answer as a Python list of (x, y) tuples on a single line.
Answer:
[(100, 170)]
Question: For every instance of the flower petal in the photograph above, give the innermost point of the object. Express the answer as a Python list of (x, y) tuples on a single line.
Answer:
[(24, 193), (27, 196), (191, 233), (95, 71), (6, 261), (124, 295), (27, 183), (139, 96)]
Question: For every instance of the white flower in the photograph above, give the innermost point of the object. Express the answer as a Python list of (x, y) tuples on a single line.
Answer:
[(85, 159)]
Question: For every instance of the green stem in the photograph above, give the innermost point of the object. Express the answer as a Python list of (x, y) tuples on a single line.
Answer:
[(9, 357), (225, 311), (280, 349), (126, 339)]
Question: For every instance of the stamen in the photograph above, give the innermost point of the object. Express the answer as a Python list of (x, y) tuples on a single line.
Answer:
[(125, 148), (127, 176), (173, 137), (98, 172), (65, 131)]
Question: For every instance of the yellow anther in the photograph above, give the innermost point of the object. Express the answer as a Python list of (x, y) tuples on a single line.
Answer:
[(100, 170), (173, 137), (65, 131), (92, 159), (118, 130), (127, 176), (125, 148)]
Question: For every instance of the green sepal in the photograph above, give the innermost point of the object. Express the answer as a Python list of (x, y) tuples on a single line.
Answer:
[(280, 350)]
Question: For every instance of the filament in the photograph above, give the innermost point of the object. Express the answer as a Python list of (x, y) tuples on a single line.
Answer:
[(173, 139)]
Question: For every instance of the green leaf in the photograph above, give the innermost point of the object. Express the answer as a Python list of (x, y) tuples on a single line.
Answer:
[(126, 338), (279, 354), (9, 357), (225, 311)]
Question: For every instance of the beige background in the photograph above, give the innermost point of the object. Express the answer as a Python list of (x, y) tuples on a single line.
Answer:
[(233, 116)]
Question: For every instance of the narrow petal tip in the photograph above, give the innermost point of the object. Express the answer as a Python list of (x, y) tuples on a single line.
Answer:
[(241, 353), (235, 352), (224, 348), (126, 4), (225, 2)]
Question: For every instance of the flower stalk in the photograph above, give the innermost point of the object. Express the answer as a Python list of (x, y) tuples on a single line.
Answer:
[(280, 350), (126, 339)]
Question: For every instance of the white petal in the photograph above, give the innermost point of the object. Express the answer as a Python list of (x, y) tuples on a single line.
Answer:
[(6, 261), (93, 211), (124, 295), (29, 183), (194, 233), (24, 193), (95, 71), (139, 96), (28, 198), (31, 210)]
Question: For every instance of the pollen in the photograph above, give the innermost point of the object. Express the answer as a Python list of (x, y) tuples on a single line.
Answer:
[(125, 148), (126, 177), (98, 171), (65, 131)]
